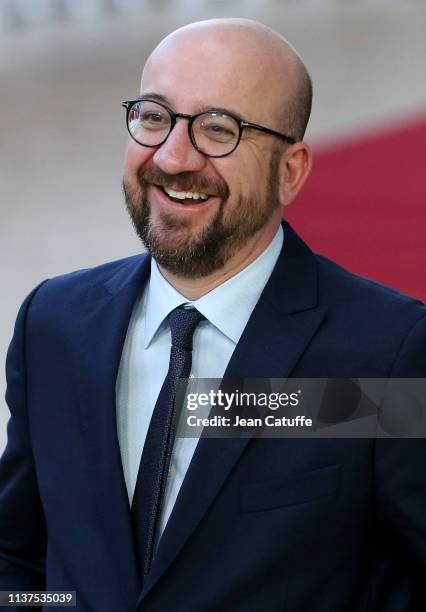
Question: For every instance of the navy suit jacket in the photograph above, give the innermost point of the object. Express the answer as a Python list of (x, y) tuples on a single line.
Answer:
[(259, 524)]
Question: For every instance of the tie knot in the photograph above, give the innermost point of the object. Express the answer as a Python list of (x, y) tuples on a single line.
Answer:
[(183, 322)]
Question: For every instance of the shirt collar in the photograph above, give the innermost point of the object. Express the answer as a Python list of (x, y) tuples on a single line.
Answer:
[(228, 307), (162, 298)]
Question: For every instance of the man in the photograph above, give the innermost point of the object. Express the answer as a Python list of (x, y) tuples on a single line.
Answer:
[(215, 154)]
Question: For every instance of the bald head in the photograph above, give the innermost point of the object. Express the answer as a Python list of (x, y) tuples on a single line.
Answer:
[(246, 56)]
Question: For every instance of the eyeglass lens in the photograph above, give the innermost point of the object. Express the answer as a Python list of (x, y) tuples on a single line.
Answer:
[(214, 133)]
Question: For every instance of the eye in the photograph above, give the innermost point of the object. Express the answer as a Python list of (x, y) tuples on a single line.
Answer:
[(220, 128), (153, 117), (154, 120), (149, 116)]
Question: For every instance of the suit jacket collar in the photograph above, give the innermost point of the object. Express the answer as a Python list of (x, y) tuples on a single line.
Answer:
[(100, 337)]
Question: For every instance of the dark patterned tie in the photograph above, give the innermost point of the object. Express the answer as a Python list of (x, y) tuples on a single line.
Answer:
[(154, 465)]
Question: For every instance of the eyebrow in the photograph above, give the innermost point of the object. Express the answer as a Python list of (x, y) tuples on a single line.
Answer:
[(156, 97)]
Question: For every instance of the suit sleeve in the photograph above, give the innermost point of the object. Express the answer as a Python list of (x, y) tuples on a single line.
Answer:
[(22, 523), (401, 472)]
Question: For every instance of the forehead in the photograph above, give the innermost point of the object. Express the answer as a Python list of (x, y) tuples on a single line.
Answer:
[(192, 73)]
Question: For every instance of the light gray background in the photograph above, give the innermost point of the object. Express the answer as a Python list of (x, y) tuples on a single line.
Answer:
[(62, 130)]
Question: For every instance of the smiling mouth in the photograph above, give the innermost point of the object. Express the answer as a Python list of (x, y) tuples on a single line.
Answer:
[(185, 197)]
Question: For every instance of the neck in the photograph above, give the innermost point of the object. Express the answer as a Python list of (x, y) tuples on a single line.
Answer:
[(194, 288)]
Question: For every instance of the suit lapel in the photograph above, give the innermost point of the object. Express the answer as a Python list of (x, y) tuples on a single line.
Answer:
[(101, 337), (279, 330)]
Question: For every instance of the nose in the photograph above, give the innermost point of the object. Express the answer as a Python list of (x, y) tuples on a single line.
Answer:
[(178, 154)]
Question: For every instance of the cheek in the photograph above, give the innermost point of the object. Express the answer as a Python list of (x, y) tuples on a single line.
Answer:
[(248, 177), (135, 157), (247, 185)]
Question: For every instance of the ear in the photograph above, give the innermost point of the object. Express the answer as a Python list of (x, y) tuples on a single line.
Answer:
[(295, 166)]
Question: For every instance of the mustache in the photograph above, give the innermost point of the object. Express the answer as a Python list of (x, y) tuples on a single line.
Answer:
[(185, 181)]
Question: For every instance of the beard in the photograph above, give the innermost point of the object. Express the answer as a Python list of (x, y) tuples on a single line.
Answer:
[(196, 254)]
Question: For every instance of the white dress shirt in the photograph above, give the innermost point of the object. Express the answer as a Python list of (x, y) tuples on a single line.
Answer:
[(146, 352)]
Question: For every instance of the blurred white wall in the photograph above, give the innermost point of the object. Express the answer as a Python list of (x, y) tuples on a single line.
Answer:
[(62, 130)]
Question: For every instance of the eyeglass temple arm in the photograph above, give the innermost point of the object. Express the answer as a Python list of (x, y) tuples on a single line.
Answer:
[(255, 126)]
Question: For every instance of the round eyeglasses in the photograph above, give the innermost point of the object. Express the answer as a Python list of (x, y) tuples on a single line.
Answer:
[(214, 133)]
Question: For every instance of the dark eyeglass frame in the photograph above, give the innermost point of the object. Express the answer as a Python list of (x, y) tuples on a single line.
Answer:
[(127, 104)]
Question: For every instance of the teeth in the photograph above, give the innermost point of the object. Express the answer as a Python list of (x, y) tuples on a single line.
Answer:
[(186, 195)]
